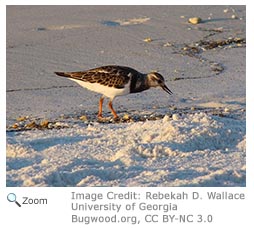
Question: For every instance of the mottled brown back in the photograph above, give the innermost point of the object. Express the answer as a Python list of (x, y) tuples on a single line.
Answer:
[(112, 76)]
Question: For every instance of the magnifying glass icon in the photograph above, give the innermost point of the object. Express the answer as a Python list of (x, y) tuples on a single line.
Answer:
[(11, 197)]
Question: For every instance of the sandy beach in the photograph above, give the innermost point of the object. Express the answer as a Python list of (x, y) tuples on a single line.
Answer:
[(195, 137)]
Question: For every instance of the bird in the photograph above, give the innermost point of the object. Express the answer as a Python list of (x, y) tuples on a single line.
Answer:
[(113, 80)]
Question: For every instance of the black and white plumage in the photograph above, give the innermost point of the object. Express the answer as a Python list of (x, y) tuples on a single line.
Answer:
[(113, 81)]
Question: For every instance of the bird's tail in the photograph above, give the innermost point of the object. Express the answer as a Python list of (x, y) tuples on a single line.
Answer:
[(62, 74)]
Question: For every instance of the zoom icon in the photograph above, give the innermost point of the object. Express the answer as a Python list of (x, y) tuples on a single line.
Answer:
[(11, 197)]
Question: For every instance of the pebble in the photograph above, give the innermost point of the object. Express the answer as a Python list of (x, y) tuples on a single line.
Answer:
[(175, 116), (21, 118), (16, 125), (226, 110), (195, 20), (32, 124), (148, 40), (234, 16), (167, 44), (83, 118), (126, 117), (60, 125), (57, 124), (44, 123), (216, 67), (50, 125)]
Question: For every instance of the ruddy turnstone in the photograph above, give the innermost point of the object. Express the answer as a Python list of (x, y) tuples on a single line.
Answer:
[(113, 81)]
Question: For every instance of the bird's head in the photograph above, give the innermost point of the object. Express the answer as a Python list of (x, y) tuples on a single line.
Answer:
[(155, 79)]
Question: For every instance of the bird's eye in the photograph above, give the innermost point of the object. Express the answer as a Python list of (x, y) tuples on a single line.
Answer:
[(159, 81)]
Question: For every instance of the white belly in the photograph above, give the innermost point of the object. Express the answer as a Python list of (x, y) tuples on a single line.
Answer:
[(109, 92)]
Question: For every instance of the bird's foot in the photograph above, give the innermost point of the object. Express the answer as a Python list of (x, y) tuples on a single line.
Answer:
[(116, 118), (99, 116)]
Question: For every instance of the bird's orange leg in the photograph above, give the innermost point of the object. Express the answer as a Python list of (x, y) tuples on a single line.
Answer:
[(100, 107), (112, 110)]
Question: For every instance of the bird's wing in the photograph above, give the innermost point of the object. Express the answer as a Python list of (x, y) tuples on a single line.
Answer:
[(112, 76)]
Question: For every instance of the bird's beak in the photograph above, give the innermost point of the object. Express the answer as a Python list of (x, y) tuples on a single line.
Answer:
[(164, 87)]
